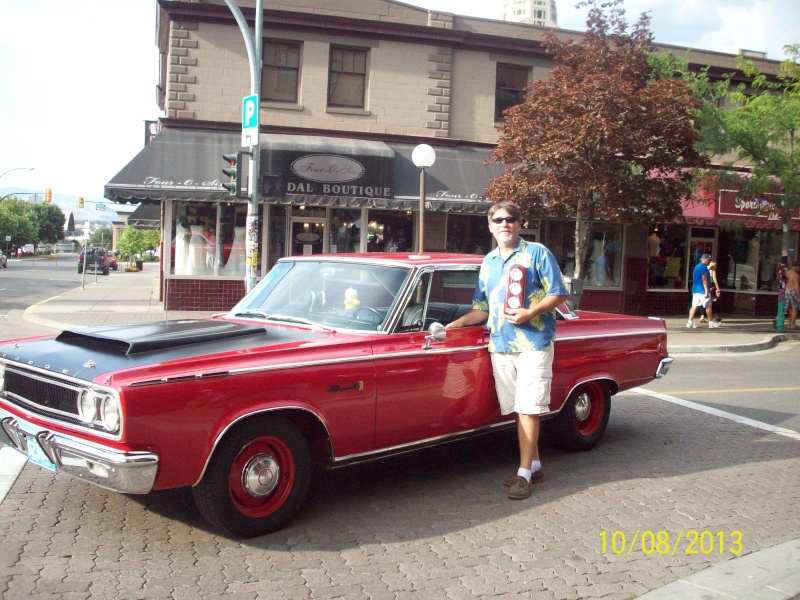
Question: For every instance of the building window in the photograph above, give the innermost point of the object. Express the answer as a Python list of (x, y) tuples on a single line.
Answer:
[(510, 88), (347, 78), (666, 256), (603, 264), (281, 74)]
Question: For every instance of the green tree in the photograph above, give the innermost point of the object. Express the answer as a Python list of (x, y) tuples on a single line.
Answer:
[(18, 221), (132, 242), (103, 237), (759, 131), (50, 221), (605, 136)]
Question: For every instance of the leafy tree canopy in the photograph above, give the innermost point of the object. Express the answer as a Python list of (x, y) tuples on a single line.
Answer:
[(604, 136), (18, 221), (50, 220)]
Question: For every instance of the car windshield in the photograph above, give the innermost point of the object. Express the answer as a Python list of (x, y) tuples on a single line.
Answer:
[(328, 293)]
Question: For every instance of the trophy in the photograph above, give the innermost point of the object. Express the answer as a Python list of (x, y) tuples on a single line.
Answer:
[(515, 287)]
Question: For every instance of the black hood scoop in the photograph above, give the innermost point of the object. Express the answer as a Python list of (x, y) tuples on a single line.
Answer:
[(129, 340)]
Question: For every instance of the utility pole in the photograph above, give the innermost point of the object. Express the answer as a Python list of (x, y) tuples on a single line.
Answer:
[(254, 44)]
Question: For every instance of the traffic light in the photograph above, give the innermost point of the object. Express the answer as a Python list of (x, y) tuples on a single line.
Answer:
[(48, 195), (234, 173), (80, 202)]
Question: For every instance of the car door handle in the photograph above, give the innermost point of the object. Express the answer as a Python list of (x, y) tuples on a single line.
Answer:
[(358, 385)]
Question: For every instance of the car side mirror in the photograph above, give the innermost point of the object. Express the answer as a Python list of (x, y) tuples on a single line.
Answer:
[(436, 332)]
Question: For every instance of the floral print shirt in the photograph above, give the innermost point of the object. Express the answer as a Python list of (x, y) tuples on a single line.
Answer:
[(542, 278)]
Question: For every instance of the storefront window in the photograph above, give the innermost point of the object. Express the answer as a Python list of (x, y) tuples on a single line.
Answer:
[(345, 234), (603, 265), (390, 231), (666, 254), (277, 234), (749, 259), (468, 234), (208, 239)]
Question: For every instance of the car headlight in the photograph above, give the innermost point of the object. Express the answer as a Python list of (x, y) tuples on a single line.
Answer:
[(109, 413), (100, 409), (87, 407)]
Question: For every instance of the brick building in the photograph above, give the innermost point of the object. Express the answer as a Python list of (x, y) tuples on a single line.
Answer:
[(349, 89)]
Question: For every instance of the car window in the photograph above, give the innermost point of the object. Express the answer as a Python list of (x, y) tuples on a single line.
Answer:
[(440, 296)]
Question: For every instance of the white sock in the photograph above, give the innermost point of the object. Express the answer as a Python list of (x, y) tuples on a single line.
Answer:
[(536, 466), (524, 473)]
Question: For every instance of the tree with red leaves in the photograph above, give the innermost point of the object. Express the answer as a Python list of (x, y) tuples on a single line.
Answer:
[(605, 137)]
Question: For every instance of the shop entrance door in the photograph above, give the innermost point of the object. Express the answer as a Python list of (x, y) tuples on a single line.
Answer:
[(308, 236)]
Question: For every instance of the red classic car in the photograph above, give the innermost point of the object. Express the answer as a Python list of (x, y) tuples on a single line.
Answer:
[(330, 360)]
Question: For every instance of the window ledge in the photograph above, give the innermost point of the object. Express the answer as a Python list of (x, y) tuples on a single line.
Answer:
[(343, 110), (283, 105)]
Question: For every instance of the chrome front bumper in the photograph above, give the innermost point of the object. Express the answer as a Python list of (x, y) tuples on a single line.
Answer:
[(663, 367), (124, 472)]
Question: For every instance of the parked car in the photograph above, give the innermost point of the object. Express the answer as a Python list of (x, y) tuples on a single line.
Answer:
[(96, 259), (112, 260), (3, 260), (28, 249), (330, 360)]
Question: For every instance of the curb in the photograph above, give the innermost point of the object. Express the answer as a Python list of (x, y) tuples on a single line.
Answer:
[(767, 343)]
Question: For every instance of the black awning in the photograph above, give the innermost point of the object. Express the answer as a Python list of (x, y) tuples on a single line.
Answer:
[(456, 182), (146, 216), (187, 164)]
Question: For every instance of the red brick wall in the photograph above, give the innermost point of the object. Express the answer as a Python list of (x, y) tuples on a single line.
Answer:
[(203, 294)]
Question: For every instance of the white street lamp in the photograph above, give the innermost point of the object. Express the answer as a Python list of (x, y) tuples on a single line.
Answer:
[(423, 157), (18, 169)]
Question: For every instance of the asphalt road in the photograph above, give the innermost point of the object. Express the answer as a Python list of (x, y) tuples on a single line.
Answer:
[(26, 281)]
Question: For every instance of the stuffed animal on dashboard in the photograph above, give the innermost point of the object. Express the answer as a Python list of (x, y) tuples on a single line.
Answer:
[(351, 298)]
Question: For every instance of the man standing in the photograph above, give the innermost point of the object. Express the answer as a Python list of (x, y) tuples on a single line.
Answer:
[(792, 292), (521, 339), (701, 295)]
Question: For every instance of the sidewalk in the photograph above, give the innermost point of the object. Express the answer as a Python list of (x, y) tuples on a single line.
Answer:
[(773, 573)]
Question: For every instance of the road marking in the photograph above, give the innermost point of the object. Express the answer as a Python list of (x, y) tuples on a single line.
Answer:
[(785, 389), (719, 413), (11, 463)]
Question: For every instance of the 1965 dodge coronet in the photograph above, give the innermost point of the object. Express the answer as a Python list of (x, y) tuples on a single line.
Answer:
[(330, 360)]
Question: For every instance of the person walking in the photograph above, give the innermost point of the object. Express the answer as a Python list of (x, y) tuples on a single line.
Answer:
[(714, 293), (521, 338), (792, 293), (701, 294)]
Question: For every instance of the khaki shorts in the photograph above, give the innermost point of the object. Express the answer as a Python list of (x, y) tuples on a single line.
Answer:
[(523, 381)]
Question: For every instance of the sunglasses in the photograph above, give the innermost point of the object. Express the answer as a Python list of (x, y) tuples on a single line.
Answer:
[(509, 220)]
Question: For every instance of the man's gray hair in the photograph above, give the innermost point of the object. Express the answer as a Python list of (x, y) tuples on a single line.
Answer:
[(511, 208)]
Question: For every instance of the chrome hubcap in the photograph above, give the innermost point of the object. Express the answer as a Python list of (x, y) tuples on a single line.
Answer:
[(260, 475), (583, 406)]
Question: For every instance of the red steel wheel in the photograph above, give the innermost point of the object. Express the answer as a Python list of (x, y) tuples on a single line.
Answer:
[(257, 478), (584, 416)]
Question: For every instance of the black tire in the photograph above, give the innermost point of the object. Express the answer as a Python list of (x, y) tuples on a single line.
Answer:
[(584, 417), (276, 455)]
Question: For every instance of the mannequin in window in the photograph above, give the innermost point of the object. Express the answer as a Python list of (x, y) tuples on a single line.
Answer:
[(236, 259), (181, 247), (198, 249), (653, 244), (752, 252)]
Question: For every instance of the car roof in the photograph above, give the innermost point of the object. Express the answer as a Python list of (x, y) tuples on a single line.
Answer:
[(395, 258)]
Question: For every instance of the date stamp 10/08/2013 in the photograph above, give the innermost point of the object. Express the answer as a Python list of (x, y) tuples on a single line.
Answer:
[(661, 542)]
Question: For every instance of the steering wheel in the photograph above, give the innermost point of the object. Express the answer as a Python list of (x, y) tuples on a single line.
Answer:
[(358, 309)]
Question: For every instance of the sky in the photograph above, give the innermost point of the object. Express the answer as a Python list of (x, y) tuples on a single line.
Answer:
[(78, 78)]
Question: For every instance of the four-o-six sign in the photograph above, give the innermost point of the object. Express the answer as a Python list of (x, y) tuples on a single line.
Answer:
[(250, 120)]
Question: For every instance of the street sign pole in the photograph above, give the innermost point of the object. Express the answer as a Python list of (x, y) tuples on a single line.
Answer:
[(254, 44)]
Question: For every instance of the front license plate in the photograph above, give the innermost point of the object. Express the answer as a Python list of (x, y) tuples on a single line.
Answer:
[(37, 456)]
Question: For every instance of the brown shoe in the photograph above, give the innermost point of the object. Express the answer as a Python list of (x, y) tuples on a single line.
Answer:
[(521, 488), (536, 477)]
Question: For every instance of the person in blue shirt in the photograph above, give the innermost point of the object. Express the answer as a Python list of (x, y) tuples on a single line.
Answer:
[(701, 293), (521, 338)]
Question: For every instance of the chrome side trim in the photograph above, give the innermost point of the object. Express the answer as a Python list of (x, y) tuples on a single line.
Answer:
[(610, 335), (124, 472)]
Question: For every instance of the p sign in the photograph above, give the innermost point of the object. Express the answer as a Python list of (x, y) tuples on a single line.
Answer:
[(250, 120)]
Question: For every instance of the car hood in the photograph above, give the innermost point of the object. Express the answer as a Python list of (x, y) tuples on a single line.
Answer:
[(88, 352)]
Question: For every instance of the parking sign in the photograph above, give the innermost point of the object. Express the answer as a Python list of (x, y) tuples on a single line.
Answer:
[(250, 120)]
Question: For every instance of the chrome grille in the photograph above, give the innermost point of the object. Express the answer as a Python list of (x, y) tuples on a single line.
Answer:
[(42, 393)]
